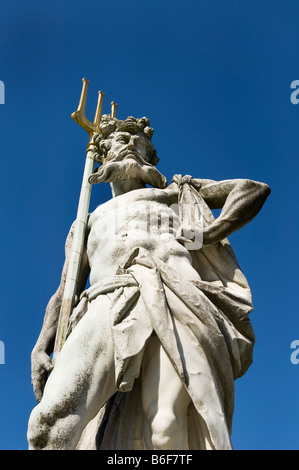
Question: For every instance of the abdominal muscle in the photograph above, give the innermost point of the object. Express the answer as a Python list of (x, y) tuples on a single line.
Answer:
[(117, 229)]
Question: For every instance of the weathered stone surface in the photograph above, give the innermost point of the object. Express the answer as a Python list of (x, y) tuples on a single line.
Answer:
[(155, 343)]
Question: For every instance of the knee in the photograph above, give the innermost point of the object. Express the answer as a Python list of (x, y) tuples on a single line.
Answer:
[(53, 428), (39, 426), (164, 427)]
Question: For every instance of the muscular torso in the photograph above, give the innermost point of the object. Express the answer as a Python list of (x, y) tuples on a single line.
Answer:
[(146, 218)]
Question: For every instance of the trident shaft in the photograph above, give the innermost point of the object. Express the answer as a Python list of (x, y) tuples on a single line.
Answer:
[(82, 214)]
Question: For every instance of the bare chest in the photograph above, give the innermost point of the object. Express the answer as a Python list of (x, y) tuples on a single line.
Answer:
[(137, 215), (147, 219)]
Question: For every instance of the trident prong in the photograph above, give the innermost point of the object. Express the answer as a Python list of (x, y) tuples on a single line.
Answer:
[(113, 109), (79, 115)]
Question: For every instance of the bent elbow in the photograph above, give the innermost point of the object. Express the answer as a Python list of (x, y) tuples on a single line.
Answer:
[(264, 190), (267, 189), (260, 189)]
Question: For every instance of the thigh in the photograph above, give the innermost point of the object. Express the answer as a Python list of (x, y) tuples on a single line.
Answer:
[(83, 377), (162, 389)]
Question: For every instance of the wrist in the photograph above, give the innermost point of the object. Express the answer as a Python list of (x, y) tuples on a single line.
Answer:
[(207, 238)]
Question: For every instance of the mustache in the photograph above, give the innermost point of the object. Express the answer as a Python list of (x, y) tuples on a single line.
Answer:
[(120, 167), (126, 153)]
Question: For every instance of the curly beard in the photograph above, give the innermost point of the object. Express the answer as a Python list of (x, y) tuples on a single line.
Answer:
[(126, 166)]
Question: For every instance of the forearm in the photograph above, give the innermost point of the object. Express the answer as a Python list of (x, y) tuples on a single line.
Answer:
[(47, 335), (241, 205)]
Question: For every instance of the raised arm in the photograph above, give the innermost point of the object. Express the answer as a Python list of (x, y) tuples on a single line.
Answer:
[(41, 364), (240, 200)]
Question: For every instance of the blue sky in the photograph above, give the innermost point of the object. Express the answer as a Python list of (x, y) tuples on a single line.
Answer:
[(214, 79)]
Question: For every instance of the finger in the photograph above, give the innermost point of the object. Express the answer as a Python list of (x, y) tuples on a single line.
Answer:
[(47, 364), (37, 389)]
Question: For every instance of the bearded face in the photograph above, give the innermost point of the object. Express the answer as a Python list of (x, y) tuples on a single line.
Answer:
[(127, 158)]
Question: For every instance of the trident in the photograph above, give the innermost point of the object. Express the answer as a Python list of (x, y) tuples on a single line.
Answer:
[(82, 213)]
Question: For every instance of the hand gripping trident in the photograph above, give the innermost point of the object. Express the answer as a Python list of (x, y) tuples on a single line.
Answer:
[(82, 214)]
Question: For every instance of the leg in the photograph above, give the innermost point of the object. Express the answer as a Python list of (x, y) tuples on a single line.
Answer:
[(165, 402), (81, 382)]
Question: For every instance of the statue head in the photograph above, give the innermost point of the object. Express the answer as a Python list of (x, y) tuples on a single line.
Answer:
[(110, 126), (125, 151)]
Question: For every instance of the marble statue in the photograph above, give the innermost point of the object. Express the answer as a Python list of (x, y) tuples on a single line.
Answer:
[(162, 330)]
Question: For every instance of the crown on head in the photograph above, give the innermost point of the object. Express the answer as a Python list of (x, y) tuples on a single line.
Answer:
[(105, 125)]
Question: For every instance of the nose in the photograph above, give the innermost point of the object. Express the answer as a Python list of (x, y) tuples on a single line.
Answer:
[(131, 143)]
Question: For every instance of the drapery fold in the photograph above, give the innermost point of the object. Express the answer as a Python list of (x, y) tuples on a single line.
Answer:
[(202, 325)]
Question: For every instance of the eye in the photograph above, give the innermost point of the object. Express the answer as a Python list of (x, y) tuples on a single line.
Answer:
[(123, 139)]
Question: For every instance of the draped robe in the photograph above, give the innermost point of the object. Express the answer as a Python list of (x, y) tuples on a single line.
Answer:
[(202, 325)]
